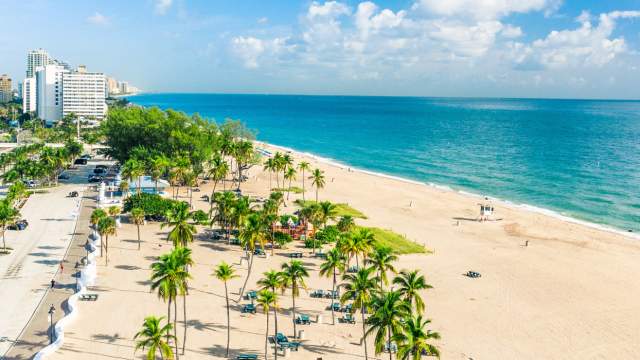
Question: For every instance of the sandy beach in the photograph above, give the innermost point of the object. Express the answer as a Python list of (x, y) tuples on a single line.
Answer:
[(570, 294)]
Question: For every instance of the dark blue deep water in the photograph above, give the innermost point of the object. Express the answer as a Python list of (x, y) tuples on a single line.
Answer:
[(580, 158)]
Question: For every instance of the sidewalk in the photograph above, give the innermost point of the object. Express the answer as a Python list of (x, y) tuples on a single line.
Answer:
[(34, 337)]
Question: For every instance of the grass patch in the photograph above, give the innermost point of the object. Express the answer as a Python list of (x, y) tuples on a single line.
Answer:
[(341, 209), (294, 189), (398, 243)]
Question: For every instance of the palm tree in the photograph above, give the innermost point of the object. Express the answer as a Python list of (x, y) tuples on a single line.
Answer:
[(381, 259), (333, 265), (225, 202), (218, 172), (190, 181), (96, 215), (252, 234), (137, 217), (346, 223), (273, 281), (359, 287), (8, 215), (290, 175), (167, 276), (157, 167), (278, 165), (349, 247), (327, 211), (410, 283), (293, 275), (317, 180), (151, 337), (303, 166), (365, 242), (413, 341), (224, 272), (114, 211), (270, 166), (183, 257), (386, 321), (243, 154), (182, 231), (106, 227), (267, 299), (133, 169), (124, 188)]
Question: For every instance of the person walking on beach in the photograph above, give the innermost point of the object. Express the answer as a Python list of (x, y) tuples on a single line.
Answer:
[(53, 283), (61, 267)]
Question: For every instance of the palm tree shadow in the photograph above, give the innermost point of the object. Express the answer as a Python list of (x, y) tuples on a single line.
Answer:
[(108, 338)]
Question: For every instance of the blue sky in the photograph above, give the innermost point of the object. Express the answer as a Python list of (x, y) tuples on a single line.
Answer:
[(503, 48)]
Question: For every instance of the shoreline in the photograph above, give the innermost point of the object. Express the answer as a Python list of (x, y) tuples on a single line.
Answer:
[(504, 202)]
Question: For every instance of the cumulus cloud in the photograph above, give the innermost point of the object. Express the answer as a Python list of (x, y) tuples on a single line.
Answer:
[(98, 19), (482, 9), (587, 45), (162, 6), (251, 49)]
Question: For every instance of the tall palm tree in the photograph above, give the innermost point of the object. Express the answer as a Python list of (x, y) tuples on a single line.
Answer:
[(106, 227), (183, 258), (317, 180), (303, 166), (133, 169), (365, 242), (157, 167), (218, 171), (182, 231), (382, 259), (348, 246), (114, 211), (410, 283), (224, 272), (286, 163), (252, 234), (293, 275), (124, 188), (327, 211), (243, 154), (150, 336), (333, 265), (267, 299), (290, 175), (270, 166), (137, 217), (190, 180), (8, 215), (278, 164), (225, 202), (273, 281), (360, 288), (386, 321), (346, 223), (167, 277), (96, 215), (413, 341)]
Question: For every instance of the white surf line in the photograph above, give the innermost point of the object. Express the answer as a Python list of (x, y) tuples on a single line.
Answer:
[(87, 278)]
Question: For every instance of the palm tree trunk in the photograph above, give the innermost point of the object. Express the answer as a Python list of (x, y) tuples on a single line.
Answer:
[(316, 194), (389, 340), (275, 315), (106, 249), (266, 338), (213, 192), (364, 337), (168, 315), (248, 275), (226, 293), (175, 325), (295, 332), (184, 314), (333, 316), (138, 225), (270, 187), (289, 190), (4, 244), (303, 186)]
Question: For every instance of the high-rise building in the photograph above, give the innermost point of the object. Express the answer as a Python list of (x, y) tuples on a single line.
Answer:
[(49, 92), (112, 86), (6, 92), (124, 87), (29, 95), (35, 59), (84, 94)]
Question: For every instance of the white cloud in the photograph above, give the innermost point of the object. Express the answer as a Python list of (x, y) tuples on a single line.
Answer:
[(464, 40), (251, 49), (510, 31), (162, 6), (330, 9), (98, 19), (482, 9), (263, 20), (367, 20), (588, 45)]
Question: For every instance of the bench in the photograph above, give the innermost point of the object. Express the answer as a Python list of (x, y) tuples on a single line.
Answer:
[(249, 308), (89, 297), (295, 255), (247, 357), (348, 318)]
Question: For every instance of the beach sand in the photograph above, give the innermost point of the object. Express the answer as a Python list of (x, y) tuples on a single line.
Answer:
[(570, 294)]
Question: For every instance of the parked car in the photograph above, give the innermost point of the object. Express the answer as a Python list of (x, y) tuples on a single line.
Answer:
[(80, 161), (30, 183), (86, 157), (63, 176), (99, 171), (94, 178), (19, 225), (100, 166)]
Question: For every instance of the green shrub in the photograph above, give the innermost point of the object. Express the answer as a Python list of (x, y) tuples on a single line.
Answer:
[(201, 217), (328, 235), (151, 204), (282, 239)]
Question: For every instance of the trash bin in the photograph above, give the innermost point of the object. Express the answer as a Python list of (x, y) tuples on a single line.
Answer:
[(301, 334)]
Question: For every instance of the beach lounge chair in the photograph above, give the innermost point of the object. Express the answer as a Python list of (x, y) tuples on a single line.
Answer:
[(247, 357), (330, 294), (317, 294), (352, 269), (295, 255), (249, 308), (258, 252), (347, 308), (88, 297), (335, 306), (280, 338), (393, 348), (303, 319), (473, 274), (348, 318), (251, 295)]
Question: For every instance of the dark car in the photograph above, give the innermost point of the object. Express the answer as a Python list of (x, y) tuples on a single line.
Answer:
[(63, 176), (80, 162), (86, 157), (102, 167), (94, 178), (19, 225), (99, 171)]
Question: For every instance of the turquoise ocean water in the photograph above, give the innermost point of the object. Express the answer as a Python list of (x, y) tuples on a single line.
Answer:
[(578, 158)]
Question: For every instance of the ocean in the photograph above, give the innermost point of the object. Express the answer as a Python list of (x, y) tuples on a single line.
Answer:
[(574, 158)]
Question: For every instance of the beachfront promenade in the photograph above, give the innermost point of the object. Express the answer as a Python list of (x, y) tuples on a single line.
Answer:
[(25, 273)]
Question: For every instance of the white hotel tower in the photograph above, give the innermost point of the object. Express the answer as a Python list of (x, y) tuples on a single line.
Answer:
[(84, 94), (49, 92)]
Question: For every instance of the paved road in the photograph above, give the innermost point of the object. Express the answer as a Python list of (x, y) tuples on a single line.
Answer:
[(25, 274)]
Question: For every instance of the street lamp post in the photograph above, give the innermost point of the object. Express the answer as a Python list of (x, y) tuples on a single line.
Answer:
[(52, 310)]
